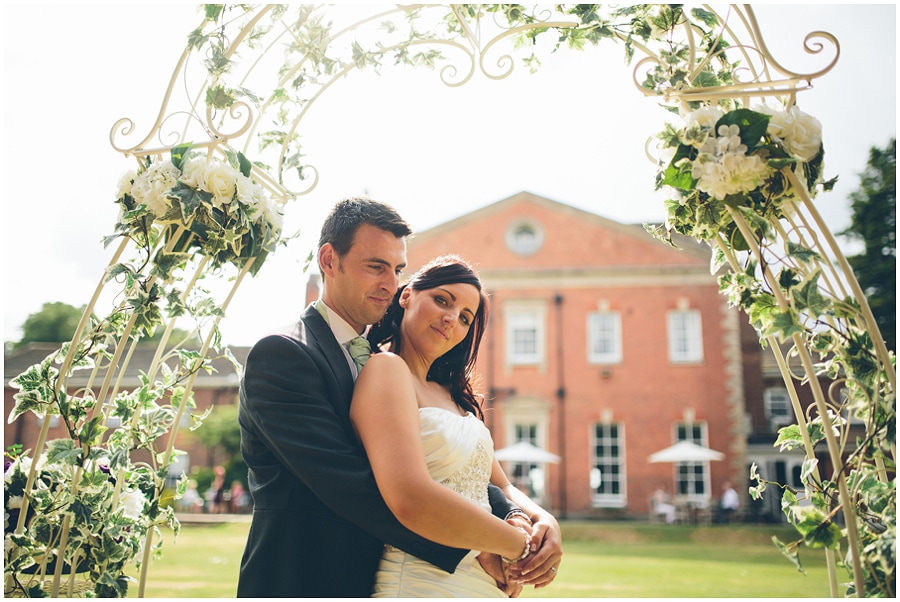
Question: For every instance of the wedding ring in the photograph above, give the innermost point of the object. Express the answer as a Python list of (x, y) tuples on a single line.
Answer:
[(553, 568)]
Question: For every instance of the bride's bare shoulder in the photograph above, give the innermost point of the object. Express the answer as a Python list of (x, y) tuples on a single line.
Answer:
[(385, 357), (385, 363)]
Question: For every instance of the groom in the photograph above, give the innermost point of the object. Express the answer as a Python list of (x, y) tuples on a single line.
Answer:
[(319, 523)]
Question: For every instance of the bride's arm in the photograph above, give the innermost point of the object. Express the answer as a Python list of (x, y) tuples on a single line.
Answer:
[(385, 415)]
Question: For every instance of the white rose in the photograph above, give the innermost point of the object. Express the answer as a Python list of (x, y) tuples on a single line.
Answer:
[(699, 124), (249, 192), (192, 171), (273, 213), (132, 503), (800, 132), (219, 180), (706, 117), (125, 183), (260, 203)]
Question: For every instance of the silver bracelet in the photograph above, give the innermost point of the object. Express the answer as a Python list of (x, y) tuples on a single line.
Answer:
[(518, 512)]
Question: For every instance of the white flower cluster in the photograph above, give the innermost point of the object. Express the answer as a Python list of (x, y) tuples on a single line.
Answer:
[(723, 166), (799, 132), (153, 188), (132, 503)]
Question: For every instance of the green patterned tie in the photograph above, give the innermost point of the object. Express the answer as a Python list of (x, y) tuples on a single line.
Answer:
[(359, 351)]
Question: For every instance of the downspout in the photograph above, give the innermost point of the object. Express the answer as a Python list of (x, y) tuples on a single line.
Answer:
[(560, 403), (491, 391)]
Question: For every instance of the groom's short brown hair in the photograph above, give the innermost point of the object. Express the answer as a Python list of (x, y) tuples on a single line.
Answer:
[(349, 214)]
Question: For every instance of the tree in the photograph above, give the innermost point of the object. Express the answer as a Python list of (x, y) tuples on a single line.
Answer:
[(54, 323), (874, 222), (221, 430)]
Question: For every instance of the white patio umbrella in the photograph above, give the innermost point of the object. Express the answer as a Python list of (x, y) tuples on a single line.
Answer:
[(525, 452), (686, 451)]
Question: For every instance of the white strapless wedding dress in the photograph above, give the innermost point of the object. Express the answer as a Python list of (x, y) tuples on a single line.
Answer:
[(459, 452)]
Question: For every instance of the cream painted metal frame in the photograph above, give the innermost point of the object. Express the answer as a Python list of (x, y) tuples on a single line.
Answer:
[(250, 75)]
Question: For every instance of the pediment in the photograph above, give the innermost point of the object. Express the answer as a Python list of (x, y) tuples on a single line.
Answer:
[(533, 232)]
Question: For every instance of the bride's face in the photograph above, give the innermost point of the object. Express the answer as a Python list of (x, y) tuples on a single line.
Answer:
[(438, 319)]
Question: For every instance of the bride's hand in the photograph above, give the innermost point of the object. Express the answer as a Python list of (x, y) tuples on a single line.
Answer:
[(541, 566)]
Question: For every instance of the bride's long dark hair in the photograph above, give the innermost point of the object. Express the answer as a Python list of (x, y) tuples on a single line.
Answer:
[(455, 368)]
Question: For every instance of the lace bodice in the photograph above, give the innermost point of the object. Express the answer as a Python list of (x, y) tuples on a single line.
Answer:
[(459, 452)]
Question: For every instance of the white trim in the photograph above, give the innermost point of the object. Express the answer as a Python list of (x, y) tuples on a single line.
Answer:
[(613, 327), (522, 318), (685, 335), (610, 500)]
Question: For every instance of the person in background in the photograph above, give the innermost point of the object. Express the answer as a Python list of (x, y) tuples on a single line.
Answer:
[(728, 505), (237, 501), (662, 504), (218, 488)]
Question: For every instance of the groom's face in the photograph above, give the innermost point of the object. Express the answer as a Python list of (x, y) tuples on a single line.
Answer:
[(360, 285)]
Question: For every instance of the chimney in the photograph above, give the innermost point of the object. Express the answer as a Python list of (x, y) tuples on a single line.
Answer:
[(312, 288)]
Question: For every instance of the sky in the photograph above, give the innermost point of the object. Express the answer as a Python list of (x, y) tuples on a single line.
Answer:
[(573, 132)]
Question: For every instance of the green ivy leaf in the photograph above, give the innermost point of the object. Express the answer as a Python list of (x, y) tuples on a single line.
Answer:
[(212, 11), (817, 530), (828, 185), (809, 297), (36, 391), (782, 323), (706, 79), (802, 253), (753, 126), (63, 451), (219, 97), (787, 279), (810, 465), (757, 490), (789, 437), (705, 16), (679, 178), (196, 39), (164, 264), (244, 164), (179, 154), (189, 200), (790, 553)]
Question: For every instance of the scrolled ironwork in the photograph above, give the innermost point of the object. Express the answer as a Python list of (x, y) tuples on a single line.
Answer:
[(262, 68)]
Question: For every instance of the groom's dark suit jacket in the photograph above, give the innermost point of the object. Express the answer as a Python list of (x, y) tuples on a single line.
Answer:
[(319, 523)]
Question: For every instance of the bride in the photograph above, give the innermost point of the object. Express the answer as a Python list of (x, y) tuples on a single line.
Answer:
[(415, 412)]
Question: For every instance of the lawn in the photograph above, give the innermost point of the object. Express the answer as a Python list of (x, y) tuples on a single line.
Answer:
[(602, 560)]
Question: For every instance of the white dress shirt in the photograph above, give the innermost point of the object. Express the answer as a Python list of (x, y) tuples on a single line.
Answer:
[(342, 331)]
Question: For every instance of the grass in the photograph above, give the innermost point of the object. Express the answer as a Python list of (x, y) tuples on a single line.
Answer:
[(602, 560)]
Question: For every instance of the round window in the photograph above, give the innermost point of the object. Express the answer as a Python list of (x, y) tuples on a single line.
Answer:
[(524, 237)]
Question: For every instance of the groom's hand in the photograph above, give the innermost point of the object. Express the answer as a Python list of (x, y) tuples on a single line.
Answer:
[(496, 568)]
